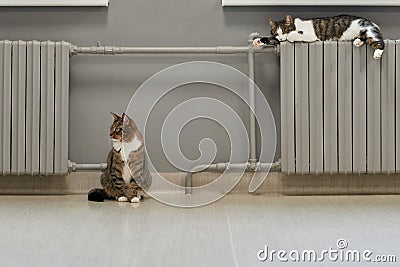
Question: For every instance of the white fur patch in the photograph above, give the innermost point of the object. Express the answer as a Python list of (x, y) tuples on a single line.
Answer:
[(304, 32), (352, 32), (280, 35), (126, 174), (117, 145), (357, 42), (279, 31), (132, 146), (378, 53), (128, 148), (122, 199), (257, 42), (135, 200)]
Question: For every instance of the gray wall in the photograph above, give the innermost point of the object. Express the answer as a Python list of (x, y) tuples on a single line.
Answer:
[(103, 84)]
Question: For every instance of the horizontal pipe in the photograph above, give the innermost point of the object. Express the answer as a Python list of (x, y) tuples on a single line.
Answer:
[(113, 50), (221, 167), (76, 167)]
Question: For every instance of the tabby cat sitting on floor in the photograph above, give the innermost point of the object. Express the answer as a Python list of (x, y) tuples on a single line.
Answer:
[(342, 28), (117, 180)]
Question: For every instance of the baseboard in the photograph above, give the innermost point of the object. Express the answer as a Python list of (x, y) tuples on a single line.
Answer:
[(275, 184)]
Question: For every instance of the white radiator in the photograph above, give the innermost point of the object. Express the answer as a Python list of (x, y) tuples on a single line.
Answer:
[(340, 108), (34, 80)]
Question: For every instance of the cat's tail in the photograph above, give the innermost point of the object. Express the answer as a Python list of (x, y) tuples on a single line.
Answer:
[(97, 195)]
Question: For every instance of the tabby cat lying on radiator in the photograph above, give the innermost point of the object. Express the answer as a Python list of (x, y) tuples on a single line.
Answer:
[(117, 180), (342, 28)]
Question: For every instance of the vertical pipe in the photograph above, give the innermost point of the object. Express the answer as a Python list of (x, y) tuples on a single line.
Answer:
[(253, 157)]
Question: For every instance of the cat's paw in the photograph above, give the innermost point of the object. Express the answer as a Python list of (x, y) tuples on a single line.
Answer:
[(358, 42), (378, 53), (257, 42), (122, 199), (135, 200)]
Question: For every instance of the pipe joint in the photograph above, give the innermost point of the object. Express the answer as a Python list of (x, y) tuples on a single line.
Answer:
[(71, 166), (253, 165), (222, 166)]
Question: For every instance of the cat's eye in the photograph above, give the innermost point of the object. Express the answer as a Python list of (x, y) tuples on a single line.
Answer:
[(301, 32)]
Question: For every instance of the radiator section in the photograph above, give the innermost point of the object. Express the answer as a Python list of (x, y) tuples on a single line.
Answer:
[(34, 78), (340, 108)]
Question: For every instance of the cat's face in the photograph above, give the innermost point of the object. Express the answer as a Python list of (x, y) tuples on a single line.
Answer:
[(281, 29), (122, 128), (116, 127)]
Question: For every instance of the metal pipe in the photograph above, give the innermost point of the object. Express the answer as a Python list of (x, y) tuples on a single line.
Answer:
[(252, 165), (73, 166), (221, 167), (114, 50), (252, 119)]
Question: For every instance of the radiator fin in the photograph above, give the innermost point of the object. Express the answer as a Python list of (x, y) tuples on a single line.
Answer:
[(397, 104), (301, 108), (32, 107), (18, 107), (61, 107), (373, 114), (388, 108), (345, 107), (359, 109), (5, 72), (330, 107), (316, 108), (287, 108)]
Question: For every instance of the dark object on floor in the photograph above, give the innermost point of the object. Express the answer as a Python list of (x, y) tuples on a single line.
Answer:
[(269, 40), (97, 195)]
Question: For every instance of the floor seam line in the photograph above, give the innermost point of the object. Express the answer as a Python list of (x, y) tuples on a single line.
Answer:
[(230, 237)]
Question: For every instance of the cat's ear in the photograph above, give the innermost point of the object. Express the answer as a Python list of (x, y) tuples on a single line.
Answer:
[(125, 118), (115, 116), (271, 23), (288, 20)]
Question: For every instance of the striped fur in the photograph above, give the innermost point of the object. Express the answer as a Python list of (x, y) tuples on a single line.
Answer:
[(123, 131)]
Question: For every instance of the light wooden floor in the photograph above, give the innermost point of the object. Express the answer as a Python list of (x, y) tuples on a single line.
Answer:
[(70, 231)]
